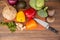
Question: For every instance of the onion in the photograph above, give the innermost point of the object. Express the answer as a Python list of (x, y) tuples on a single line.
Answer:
[(12, 2)]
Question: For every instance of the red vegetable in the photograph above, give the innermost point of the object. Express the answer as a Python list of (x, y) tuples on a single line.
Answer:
[(12, 2), (30, 13)]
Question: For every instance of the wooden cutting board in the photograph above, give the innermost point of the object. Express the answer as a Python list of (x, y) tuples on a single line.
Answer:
[(5, 34)]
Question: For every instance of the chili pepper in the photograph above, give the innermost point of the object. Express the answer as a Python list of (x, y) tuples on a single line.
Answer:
[(30, 13)]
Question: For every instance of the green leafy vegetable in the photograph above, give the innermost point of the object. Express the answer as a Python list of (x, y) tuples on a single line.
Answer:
[(42, 13), (37, 4), (11, 26)]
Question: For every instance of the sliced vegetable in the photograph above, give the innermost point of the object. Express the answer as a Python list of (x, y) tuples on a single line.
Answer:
[(20, 17), (31, 25), (30, 13)]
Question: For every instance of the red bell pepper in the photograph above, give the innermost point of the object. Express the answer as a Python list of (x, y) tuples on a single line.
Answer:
[(30, 13)]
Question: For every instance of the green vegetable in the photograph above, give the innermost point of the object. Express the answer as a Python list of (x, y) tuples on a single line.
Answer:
[(11, 26), (42, 13), (37, 4)]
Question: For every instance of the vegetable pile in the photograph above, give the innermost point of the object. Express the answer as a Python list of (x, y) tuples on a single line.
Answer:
[(18, 16)]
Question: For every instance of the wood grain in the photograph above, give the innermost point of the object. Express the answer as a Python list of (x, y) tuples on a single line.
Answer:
[(5, 34)]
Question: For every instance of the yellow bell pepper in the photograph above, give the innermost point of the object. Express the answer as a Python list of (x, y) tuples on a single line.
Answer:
[(20, 17)]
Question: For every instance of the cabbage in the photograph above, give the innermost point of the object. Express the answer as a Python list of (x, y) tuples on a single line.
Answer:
[(39, 3), (36, 4)]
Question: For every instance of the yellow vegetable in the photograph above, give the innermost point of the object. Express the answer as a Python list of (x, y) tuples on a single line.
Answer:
[(20, 17)]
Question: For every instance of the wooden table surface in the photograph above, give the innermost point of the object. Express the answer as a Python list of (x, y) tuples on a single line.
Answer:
[(5, 34)]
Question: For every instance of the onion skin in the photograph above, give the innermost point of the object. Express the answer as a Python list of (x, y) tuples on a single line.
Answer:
[(12, 2)]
